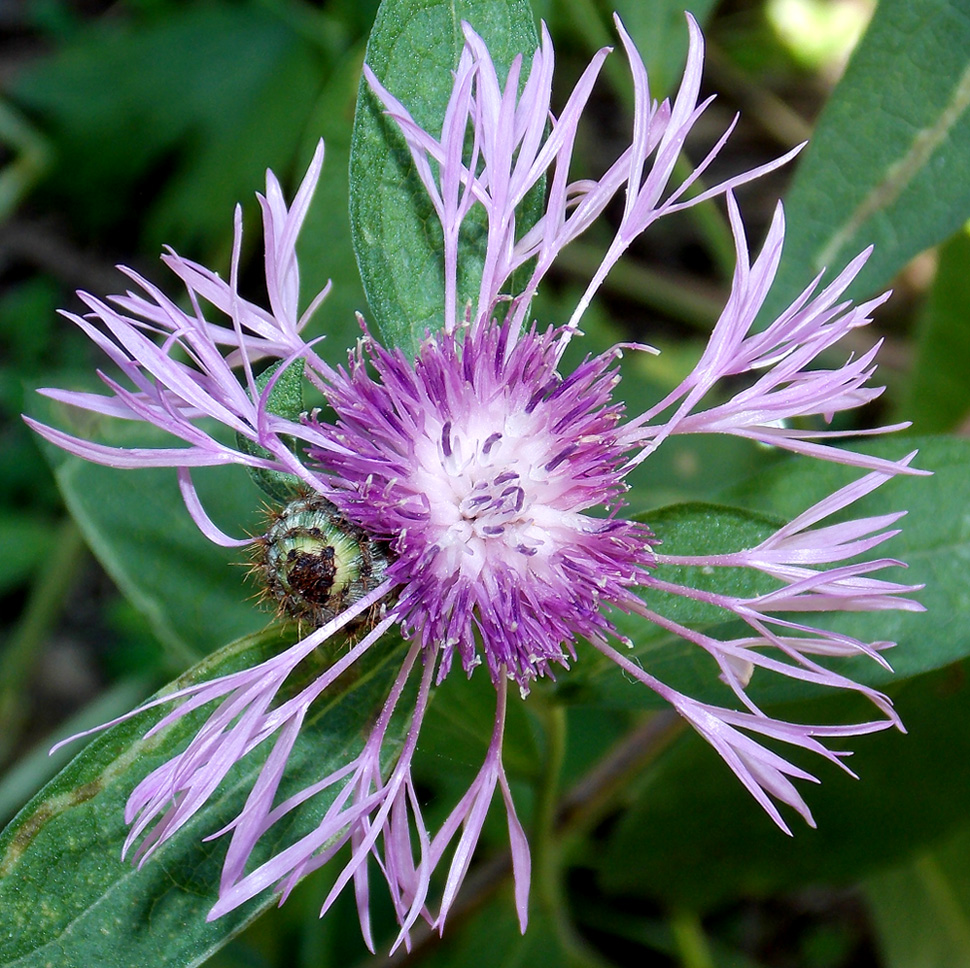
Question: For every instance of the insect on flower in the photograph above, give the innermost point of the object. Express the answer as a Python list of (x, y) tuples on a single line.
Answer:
[(472, 495), (314, 563)]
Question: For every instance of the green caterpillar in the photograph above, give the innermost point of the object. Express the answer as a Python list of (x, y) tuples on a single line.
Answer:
[(314, 563)]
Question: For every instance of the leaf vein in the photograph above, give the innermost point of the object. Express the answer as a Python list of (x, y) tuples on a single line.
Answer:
[(899, 175)]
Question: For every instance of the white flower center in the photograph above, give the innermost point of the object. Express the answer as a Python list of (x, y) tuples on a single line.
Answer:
[(491, 485)]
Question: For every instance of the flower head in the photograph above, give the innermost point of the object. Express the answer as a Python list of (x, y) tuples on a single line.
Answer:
[(493, 485), (477, 462)]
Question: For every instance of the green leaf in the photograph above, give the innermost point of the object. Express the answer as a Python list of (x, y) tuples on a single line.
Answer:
[(413, 49), (285, 400), (935, 543), (932, 888), (938, 397), (136, 525), (492, 939), (694, 836), (192, 592), (35, 766), (683, 529), (887, 163), (66, 897)]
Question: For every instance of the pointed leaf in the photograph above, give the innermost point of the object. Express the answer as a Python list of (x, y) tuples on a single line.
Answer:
[(413, 50), (136, 525), (67, 898), (932, 888), (887, 163), (192, 592), (935, 543), (938, 397)]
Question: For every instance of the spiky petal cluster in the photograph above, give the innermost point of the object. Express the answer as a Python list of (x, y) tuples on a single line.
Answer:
[(477, 462), (497, 483)]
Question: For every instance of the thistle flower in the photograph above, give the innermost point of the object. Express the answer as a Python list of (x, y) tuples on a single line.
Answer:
[(494, 483)]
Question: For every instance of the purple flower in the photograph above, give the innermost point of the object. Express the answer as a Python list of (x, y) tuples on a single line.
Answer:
[(494, 484)]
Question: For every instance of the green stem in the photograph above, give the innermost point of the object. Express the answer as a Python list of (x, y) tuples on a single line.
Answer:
[(574, 814), (44, 605), (547, 872), (690, 940), (595, 795), (550, 847)]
